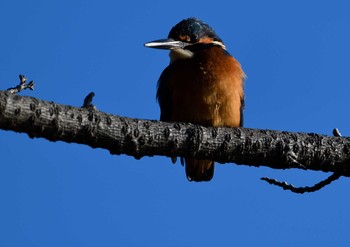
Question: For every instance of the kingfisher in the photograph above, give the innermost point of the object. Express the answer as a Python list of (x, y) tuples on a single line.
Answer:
[(203, 84)]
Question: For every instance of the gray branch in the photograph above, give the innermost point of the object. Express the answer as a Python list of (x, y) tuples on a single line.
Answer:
[(138, 138)]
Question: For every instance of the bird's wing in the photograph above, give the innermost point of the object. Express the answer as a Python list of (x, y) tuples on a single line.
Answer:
[(241, 111), (164, 96)]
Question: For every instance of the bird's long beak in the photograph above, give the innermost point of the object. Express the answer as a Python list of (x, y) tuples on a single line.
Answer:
[(167, 44)]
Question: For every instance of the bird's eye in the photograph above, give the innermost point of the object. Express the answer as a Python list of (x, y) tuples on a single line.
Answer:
[(194, 38)]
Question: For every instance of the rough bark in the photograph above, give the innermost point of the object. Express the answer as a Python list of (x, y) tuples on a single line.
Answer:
[(137, 137)]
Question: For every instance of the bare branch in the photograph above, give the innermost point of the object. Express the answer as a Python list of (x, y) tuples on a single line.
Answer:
[(138, 138)]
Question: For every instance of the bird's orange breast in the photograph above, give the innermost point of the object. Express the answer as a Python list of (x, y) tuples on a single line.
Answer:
[(207, 89)]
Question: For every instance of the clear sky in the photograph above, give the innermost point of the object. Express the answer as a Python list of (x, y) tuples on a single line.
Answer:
[(296, 56)]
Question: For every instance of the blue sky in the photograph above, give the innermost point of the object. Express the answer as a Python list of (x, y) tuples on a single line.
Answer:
[(295, 54)]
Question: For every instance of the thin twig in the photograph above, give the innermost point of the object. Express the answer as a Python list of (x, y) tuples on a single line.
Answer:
[(301, 190), (22, 85)]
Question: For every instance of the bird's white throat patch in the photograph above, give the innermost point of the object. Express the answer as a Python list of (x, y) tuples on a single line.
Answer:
[(180, 53)]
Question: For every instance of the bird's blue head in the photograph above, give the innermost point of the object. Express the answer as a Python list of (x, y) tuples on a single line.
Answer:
[(193, 30), (186, 33)]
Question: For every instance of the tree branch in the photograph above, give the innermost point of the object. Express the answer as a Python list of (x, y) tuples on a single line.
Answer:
[(138, 138)]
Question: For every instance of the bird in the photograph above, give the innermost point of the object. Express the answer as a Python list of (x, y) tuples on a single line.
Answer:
[(203, 84)]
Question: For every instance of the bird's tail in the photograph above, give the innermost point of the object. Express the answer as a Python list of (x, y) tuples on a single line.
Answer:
[(199, 170)]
